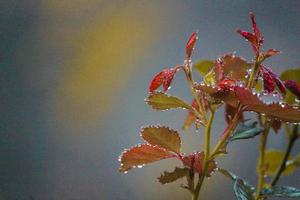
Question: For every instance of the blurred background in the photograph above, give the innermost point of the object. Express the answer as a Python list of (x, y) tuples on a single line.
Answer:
[(73, 76)]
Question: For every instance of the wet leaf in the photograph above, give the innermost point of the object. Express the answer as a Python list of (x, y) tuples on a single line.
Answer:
[(164, 78), (168, 177), (163, 137), (226, 84), (190, 44), (273, 159), (190, 118), (242, 191), (162, 101), (195, 161), (252, 102), (271, 80), (141, 155), (254, 38), (281, 191), (246, 131), (227, 96), (203, 66), (234, 67)]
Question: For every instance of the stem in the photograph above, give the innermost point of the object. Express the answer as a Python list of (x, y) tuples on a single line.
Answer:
[(261, 161), (187, 70), (206, 154), (280, 170), (194, 197), (226, 134), (253, 74)]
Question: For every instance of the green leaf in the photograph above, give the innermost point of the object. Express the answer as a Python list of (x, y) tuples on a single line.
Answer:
[(203, 66), (281, 191), (291, 74), (273, 159), (246, 131), (242, 191), (163, 137), (210, 78), (168, 177), (141, 155), (162, 101), (234, 177)]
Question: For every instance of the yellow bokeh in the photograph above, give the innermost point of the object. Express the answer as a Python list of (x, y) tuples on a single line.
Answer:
[(107, 52)]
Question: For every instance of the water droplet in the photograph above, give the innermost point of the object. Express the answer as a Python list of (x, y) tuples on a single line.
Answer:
[(125, 172)]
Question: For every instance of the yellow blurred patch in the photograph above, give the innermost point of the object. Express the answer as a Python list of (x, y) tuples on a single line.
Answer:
[(106, 56)]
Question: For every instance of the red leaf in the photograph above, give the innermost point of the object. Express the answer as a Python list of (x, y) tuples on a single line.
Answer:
[(248, 36), (255, 29), (254, 38), (190, 44), (230, 66), (269, 82), (252, 102), (227, 96), (270, 52), (218, 69), (141, 155), (230, 113), (294, 87), (195, 161), (226, 84), (270, 79), (280, 85), (234, 67), (164, 78), (277, 110)]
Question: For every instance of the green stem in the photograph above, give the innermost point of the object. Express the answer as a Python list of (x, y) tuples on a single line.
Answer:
[(194, 197), (280, 170), (261, 161), (226, 134), (188, 73), (206, 153), (253, 74)]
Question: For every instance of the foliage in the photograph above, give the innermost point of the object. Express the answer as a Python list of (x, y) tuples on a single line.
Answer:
[(239, 86)]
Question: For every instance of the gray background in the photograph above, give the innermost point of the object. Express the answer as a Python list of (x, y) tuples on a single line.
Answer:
[(60, 138)]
